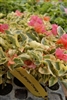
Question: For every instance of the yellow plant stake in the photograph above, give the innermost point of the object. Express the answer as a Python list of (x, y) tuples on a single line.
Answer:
[(29, 81)]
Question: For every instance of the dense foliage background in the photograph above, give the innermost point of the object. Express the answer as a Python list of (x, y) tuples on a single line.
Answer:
[(53, 9)]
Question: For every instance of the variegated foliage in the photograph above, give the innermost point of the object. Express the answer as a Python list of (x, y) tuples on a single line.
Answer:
[(21, 44)]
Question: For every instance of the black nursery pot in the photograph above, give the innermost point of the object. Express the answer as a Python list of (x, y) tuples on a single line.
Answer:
[(6, 89), (20, 93), (17, 82)]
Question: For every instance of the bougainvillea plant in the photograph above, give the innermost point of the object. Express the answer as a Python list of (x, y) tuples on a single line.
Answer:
[(33, 43)]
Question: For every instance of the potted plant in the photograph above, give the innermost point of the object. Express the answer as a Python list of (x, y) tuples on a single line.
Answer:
[(34, 44), (5, 81)]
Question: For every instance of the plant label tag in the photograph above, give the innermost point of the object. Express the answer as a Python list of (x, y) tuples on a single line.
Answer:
[(29, 81)]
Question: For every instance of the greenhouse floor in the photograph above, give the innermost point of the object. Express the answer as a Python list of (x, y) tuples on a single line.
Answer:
[(19, 93)]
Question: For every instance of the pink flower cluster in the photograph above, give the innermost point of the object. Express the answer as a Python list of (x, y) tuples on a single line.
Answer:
[(18, 13), (54, 29), (37, 23), (3, 27), (29, 64), (63, 40), (60, 54)]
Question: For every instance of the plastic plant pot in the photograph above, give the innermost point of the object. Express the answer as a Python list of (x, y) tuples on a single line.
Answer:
[(6, 89)]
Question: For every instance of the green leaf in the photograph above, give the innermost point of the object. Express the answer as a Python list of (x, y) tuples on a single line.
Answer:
[(52, 81), (57, 65), (13, 38), (44, 70), (36, 56), (44, 7), (60, 31), (32, 36), (52, 68), (43, 41), (2, 55), (35, 45), (3, 58), (4, 44), (24, 56), (18, 62), (45, 78), (22, 38), (63, 69), (9, 75)]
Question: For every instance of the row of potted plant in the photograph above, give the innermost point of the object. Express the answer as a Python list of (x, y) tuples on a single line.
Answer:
[(55, 9)]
